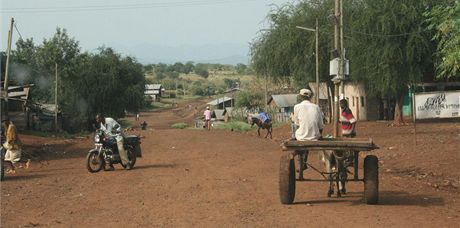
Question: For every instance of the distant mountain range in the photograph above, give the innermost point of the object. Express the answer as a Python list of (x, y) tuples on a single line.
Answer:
[(212, 53)]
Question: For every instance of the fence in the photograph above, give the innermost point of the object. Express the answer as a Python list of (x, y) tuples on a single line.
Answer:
[(281, 117)]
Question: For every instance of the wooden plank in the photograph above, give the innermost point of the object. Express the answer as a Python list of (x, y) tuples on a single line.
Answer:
[(359, 144)]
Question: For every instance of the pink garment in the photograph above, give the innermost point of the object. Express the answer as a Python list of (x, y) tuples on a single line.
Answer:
[(207, 115)]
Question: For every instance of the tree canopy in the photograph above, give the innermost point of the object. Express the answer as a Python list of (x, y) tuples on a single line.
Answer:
[(445, 21), (387, 42), (88, 83)]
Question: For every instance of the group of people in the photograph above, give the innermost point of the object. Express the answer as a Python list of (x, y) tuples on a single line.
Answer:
[(308, 121)]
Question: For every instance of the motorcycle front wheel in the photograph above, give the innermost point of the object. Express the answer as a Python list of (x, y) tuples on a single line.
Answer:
[(94, 162)]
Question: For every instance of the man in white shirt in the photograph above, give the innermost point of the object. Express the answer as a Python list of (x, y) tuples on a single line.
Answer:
[(308, 117), (113, 129), (309, 120)]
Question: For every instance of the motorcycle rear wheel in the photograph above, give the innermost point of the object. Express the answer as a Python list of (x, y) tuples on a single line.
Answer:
[(131, 157), (94, 162)]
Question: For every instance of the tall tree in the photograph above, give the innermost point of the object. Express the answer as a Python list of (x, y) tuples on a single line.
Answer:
[(386, 41), (390, 47), (444, 20), (88, 83)]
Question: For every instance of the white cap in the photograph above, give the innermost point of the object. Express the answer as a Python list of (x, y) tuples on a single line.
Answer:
[(207, 107), (305, 92)]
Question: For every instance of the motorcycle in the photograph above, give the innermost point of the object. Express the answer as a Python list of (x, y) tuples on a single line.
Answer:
[(106, 150)]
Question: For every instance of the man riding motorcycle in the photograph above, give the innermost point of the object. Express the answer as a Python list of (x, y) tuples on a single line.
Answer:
[(113, 129)]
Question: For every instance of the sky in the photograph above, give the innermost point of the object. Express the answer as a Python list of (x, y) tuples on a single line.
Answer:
[(155, 30)]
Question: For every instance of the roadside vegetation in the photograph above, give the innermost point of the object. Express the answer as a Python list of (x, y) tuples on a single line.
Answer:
[(238, 126), (179, 125)]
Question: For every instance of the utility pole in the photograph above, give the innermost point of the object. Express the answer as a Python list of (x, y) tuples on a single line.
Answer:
[(316, 31), (266, 92), (56, 100), (336, 83), (5, 85), (342, 53), (317, 61)]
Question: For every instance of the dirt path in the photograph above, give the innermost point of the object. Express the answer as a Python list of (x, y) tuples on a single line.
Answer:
[(199, 178)]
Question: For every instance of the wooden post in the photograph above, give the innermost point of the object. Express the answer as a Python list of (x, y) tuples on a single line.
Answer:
[(5, 85), (56, 100), (414, 117), (336, 85), (317, 62), (357, 108)]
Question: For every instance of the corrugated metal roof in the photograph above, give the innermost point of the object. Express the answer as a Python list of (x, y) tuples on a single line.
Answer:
[(219, 100), (284, 100), (152, 86)]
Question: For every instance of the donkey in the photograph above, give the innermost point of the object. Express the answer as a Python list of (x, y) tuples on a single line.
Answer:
[(336, 163), (260, 124)]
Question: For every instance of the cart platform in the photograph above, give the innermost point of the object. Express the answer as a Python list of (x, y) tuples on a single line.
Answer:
[(358, 144)]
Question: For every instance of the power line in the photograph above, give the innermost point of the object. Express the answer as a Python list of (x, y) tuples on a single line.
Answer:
[(385, 35), (121, 6), (17, 30)]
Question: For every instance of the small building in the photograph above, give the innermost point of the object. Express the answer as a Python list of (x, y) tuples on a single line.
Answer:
[(222, 102), (362, 106), (282, 105), (42, 117), (324, 95), (220, 115), (154, 90), (18, 100), (282, 102)]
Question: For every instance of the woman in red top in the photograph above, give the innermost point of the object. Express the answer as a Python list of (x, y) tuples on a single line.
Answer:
[(347, 120)]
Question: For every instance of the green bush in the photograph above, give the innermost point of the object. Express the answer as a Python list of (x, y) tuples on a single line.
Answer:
[(235, 126), (179, 125)]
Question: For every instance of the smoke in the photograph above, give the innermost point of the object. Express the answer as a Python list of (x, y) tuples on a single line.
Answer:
[(82, 105), (20, 73), (42, 82)]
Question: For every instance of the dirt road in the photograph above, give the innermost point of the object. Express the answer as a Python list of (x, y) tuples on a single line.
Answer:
[(196, 178)]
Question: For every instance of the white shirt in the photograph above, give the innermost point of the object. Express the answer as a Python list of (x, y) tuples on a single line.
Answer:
[(309, 118), (109, 125)]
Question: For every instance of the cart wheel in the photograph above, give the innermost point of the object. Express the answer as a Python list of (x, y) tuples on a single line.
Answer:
[(371, 179), (287, 180)]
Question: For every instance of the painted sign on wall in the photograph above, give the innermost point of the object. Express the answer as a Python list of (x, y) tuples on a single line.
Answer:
[(445, 104)]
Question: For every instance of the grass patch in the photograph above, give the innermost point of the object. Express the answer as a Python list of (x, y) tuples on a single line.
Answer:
[(179, 125), (235, 125), (52, 134)]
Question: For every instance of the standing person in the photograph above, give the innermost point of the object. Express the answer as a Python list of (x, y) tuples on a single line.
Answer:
[(207, 118), (113, 129), (137, 117), (13, 146), (309, 120), (347, 120)]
